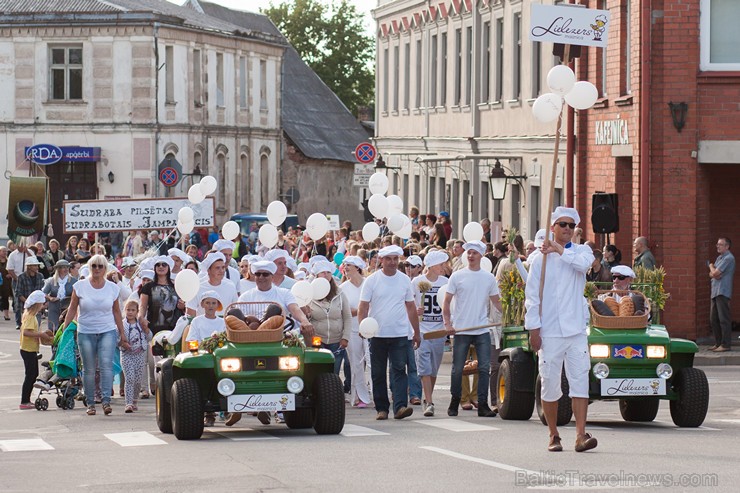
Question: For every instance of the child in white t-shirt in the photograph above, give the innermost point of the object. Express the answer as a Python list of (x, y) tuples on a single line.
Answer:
[(205, 325), (133, 360)]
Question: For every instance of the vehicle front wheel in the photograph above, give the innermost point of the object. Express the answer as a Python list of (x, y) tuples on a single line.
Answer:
[(639, 410), (187, 409), (164, 413), (565, 408), (513, 404), (690, 409), (328, 412)]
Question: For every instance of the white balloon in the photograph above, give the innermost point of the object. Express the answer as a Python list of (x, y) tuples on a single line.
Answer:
[(395, 205), (378, 183), (317, 225), (486, 264), (320, 287), (378, 205), (195, 195), (547, 107), (473, 232), (187, 284), (208, 185), (185, 214), (185, 228), (582, 96), (370, 231), (230, 230), (561, 79), (369, 328), (395, 223), (405, 232), (268, 235), (276, 212), (303, 292)]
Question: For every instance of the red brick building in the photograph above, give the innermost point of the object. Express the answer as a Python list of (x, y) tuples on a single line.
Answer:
[(678, 187)]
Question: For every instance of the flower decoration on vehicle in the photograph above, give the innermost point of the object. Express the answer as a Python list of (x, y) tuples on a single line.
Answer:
[(512, 298), (213, 342)]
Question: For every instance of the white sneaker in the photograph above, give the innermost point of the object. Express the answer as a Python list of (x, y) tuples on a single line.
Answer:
[(429, 411), (40, 384)]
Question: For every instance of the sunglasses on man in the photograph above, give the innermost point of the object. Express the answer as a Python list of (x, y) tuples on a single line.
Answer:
[(565, 224), (617, 276)]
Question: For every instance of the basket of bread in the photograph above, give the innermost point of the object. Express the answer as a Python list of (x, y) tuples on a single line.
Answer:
[(620, 309), (254, 322)]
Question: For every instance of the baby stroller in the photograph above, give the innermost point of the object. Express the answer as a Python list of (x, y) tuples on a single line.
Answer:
[(64, 370)]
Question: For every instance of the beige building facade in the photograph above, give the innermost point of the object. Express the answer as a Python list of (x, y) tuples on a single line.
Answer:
[(455, 82)]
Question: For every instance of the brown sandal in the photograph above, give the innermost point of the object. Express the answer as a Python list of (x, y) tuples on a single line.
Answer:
[(91, 411), (107, 409)]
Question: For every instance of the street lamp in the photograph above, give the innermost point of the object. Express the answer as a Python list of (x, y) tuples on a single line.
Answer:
[(498, 180), (196, 172), (380, 164)]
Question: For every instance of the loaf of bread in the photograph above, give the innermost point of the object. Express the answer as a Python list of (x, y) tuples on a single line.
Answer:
[(601, 308), (626, 307), (272, 323), (234, 323), (612, 304), (639, 301)]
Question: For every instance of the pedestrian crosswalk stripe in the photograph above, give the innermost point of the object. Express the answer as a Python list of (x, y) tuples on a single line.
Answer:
[(24, 445), (134, 439), (360, 431), (243, 434), (455, 425)]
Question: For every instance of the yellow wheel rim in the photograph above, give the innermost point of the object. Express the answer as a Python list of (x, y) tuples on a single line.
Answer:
[(501, 388)]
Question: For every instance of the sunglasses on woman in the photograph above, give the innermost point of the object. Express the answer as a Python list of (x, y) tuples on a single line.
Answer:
[(161, 264), (97, 266)]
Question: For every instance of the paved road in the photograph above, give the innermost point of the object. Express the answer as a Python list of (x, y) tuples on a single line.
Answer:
[(67, 450)]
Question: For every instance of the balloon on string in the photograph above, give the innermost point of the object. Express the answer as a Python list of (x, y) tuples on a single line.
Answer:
[(486, 265), (268, 235), (378, 183), (395, 223), (582, 96), (547, 107), (195, 195), (185, 228), (187, 284), (208, 185), (560, 79), (473, 231), (276, 213), (317, 225), (320, 287), (405, 232), (303, 292), (369, 328), (338, 258), (378, 205), (230, 230), (395, 205), (370, 231), (185, 214)]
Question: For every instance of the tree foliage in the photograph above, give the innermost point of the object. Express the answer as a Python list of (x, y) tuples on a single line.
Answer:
[(330, 38)]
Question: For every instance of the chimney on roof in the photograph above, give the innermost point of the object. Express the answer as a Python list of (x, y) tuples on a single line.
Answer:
[(365, 114)]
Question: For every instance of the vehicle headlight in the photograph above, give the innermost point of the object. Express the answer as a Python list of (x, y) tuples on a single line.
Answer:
[(295, 384), (656, 352), (599, 350), (600, 370), (193, 346), (664, 371), (289, 363), (316, 341), (231, 364), (226, 387)]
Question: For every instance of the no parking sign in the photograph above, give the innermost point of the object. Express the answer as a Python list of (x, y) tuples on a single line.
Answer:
[(365, 152)]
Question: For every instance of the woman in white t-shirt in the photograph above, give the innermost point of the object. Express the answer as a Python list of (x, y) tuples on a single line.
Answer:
[(95, 306), (358, 350), (214, 266)]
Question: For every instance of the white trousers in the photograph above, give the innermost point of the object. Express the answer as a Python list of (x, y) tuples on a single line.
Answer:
[(359, 361)]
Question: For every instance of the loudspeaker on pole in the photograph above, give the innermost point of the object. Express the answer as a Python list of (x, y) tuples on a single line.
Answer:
[(605, 213)]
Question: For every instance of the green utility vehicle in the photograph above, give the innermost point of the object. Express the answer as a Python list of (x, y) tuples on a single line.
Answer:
[(247, 377), (638, 367)]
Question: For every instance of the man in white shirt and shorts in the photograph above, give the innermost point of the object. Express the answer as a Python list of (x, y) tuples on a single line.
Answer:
[(557, 321)]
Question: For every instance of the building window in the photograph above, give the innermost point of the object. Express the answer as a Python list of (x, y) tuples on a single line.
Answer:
[(221, 166), (458, 67), (264, 178), (536, 69), (517, 46), (719, 35), (626, 31), (246, 180), (485, 86), (516, 206), (197, 79), (263, 85), (243, 77), (433, 74), (469, 65), (66, 73), (499, 59), (418, 73), (396, 75), (385, 80), (169, 67), (407, 75), (443, 72), (432, 194), (534, 210), (601, 59), (219, 79)]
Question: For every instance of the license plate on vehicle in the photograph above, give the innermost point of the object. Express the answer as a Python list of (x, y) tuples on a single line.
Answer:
[(246, 403), (626, 387)]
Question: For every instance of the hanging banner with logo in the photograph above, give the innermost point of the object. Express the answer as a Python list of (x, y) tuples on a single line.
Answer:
[(83, 216), (569, 25), (26, 205)]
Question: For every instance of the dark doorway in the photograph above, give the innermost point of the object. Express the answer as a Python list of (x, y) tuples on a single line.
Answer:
[(69, 180)]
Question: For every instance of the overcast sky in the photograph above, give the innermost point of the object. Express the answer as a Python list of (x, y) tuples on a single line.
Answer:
[(363, 6)]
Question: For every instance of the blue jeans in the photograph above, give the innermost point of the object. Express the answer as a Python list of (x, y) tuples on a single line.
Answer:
[(340, 355), (414, 380), (97, 350), (460, 347), (395, 350)]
